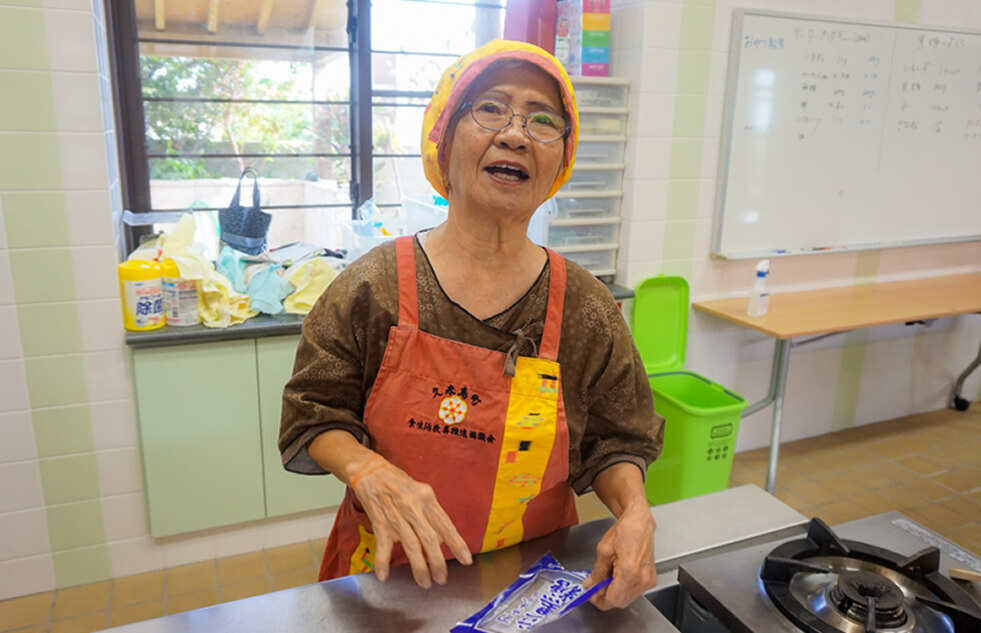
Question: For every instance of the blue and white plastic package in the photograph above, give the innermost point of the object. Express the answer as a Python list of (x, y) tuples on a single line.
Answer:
[(544, 593)]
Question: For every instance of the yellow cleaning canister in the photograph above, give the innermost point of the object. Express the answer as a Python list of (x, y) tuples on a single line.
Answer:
[(142, 295), (180, 296)]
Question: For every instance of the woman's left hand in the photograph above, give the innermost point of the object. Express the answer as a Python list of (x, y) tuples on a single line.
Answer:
[(625, 552)]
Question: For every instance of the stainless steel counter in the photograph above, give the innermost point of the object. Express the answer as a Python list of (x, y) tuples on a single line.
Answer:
[(730, 518), (362, 603), (686, 529)]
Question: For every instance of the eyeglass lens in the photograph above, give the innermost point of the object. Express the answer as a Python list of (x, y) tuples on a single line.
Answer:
[(493, 115)]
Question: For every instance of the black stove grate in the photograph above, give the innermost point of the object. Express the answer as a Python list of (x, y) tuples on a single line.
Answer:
[(869, 599)]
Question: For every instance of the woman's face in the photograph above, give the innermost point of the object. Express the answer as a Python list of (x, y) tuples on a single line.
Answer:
[(506, 171)]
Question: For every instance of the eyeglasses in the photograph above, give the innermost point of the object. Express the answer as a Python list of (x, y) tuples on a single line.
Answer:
[(543, 126)]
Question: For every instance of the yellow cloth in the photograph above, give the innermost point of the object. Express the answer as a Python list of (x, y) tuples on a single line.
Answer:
[(310, 280), (218, 303), (454, 82)]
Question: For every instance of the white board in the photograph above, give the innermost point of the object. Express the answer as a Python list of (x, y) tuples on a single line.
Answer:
[(847, 135)]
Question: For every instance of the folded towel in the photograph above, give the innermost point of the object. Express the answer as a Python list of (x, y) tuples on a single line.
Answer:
[(310, 278), (219, 303)]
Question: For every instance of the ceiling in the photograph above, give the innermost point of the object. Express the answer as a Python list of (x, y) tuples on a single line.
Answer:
[(255, 18)]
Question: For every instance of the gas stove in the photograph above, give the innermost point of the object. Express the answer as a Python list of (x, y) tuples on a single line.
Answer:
[(884, 574)]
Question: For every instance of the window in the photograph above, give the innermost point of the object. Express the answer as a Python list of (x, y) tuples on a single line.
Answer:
[(324, 99), (409, 52)]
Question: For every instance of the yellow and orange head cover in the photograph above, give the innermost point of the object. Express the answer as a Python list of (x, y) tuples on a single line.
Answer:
[(453, 85)]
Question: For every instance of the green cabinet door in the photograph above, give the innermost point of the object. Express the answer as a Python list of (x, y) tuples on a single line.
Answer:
[(199, 434), (286, 492)]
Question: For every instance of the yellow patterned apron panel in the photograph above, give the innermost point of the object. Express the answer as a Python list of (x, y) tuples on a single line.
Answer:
[(363, 558), (529, 436)]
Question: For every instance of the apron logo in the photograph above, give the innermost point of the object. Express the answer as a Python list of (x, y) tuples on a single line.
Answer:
[(452, 410), (464, 394), (550, 384), (438, 429)]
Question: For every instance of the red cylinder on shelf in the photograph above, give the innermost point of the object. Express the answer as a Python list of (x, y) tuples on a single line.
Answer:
[(531, 21)]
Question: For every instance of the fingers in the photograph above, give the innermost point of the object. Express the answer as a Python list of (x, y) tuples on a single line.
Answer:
[(405, 511), (383, 554), (630, 581), (431, 527), (603, 567), (626, 553), (449, 535), (414, 552), (622, 591)]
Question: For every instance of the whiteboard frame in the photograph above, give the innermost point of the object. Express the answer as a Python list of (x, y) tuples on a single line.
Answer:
[(732, 79)]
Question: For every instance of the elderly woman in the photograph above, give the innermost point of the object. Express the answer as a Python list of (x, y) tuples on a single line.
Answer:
[(464, 382)]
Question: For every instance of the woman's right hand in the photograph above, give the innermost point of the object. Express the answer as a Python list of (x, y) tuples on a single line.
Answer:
[(403, 510)]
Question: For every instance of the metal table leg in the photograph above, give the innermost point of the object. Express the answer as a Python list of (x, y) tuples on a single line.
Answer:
[(956, 401), (778, 382), (778, 377)]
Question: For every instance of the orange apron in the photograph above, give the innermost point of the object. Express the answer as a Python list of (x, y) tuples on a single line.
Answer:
[(494, 448)]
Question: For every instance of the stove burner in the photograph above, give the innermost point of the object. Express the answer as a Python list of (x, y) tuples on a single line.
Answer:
[(824, 584), (869, 599)]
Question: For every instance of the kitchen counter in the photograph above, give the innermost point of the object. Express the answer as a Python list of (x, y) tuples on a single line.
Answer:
[(686, 529), (362, 603), (256, 327)]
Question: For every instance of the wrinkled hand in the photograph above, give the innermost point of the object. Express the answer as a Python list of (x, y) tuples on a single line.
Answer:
[(403, 510), (627, 552)]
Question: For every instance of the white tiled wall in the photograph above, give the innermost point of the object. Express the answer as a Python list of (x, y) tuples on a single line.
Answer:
[(912, 372), (13, 386), (22, 486), (69, 31), (18, 437), (113, 425), (77, 102), (25, 534), (87, 221), (25, 564), (10, 347), (77, 55), (25, 575)]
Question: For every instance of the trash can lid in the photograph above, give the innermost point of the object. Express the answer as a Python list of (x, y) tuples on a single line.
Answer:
[(660, 322)]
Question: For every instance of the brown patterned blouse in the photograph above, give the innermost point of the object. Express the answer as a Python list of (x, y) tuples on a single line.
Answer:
[(608, 402)]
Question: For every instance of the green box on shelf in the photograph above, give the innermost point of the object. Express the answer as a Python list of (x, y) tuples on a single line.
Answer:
[(596, 38)]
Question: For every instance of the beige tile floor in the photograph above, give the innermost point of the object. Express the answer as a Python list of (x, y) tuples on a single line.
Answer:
[(927, 466)]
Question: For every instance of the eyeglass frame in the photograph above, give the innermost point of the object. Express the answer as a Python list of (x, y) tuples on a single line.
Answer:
[(468, 106)]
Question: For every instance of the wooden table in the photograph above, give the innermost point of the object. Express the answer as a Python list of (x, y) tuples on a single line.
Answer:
[(820, 313)]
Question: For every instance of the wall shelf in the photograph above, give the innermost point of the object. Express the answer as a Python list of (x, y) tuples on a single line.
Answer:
[(586, 228)]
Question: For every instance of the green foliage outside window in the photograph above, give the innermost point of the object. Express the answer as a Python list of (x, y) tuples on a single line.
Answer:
[(205, 127)]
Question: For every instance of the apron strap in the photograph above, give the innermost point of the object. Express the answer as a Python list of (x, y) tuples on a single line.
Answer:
[(405, 257), (556, 300)]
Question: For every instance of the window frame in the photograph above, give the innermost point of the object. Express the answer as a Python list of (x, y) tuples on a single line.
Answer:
[(131, 139)]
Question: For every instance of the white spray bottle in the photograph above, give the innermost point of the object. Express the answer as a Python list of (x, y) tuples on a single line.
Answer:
[(759, 298)]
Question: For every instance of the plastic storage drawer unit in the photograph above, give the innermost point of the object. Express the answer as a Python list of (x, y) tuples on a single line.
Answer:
[(612, 123), (580, 235), (596, 95), (701, 417), (601, 262), (587, 208), (588, 178), (592, 152)]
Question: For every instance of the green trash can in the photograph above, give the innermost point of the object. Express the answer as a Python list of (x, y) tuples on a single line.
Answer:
[(701, 417)]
